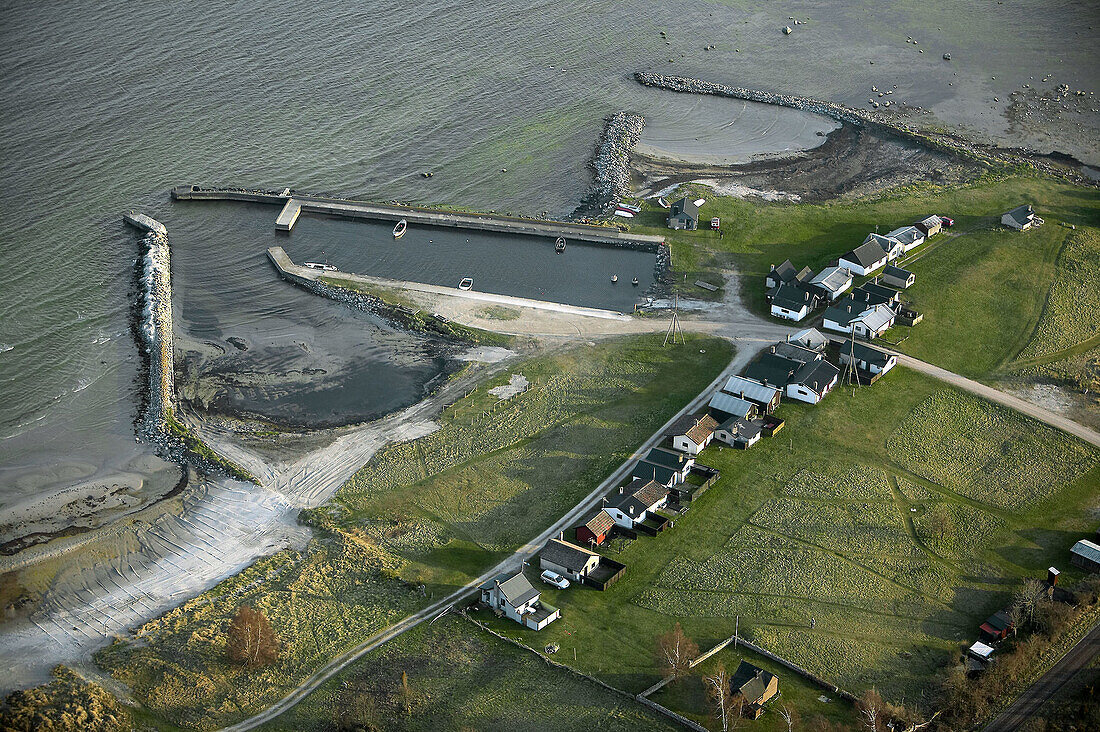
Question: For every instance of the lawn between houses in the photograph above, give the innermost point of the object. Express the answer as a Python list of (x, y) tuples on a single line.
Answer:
[(418, 521), (897, 519)]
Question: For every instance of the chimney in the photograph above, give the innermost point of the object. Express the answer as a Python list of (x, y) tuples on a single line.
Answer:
[(631, 510), (561, 536), (807, 294), (773, 349), (1052, 576), (788, 338), (620, 490)]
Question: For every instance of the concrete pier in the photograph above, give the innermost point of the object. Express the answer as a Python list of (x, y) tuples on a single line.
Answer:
[(145, 223), (288, 215), (306, 276), (605, 235)]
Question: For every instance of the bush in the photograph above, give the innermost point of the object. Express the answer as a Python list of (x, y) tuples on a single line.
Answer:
[(67, 703)]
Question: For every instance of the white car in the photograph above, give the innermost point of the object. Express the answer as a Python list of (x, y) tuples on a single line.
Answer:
[(553, 578)]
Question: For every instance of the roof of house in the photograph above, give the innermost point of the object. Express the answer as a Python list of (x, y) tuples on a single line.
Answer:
[(897, 272), (881, 290), (811, 338), (981, 649), (867, 298), (884, 242), (686, 206), (600, 524), (999, 621), (845, 311), (751, 681), (746, 429), (833, 279), (668, 458), (866, 254), (804, 275), (750, 389), (652, 471), (863, 352), (729, 404), (876, 317), (772, 368), (1087, 549), (793, 297), (1021, 214), (697, 427), (514, 586), (817, 376), (794, 351), (784, 272), (907, 234), (641, 494), (564, 554), (930, 221)]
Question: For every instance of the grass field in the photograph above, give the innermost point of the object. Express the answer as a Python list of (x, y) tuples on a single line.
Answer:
[(421, 519), (462, 678), (898, 554)]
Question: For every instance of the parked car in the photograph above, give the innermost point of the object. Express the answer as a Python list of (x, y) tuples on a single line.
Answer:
[(947, 222), (553, 578)]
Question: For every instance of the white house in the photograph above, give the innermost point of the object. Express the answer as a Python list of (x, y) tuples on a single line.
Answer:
[(888, 244), (930, 225), (1021, 218), (833, 282), (568, 560), (807, 381), (731, 405), (631, 504), (869, 321), (910, 237), (666, 467), (512, 595), (792, 302), (864, 259), (739, 433), (898, 277), (766, 398), (692, 433), (868, 358)]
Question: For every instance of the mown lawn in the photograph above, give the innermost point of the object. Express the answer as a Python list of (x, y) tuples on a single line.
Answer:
[(420, 520), (462, 678), (896, 519)]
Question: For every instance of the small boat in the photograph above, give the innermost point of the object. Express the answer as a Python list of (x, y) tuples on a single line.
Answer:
[(466, 284), (614, 278), (318, 265), (630, 207), (399, 230), (559, 245), (663, 202), (634, 282), (625, 213)]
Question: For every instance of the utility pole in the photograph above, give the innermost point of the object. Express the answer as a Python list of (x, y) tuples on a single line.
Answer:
[(674, 327)]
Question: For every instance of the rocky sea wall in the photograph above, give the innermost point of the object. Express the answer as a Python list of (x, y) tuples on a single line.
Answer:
[(611, 163), (155, 329)]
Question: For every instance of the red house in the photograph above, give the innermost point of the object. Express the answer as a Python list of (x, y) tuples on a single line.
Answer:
[(596, 530), (997, 626)]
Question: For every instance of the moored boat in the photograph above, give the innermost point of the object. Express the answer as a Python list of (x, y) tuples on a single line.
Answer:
[(399, 230), (634, 282), (614, 278), (318, 265), (559, 245), (466, 283)]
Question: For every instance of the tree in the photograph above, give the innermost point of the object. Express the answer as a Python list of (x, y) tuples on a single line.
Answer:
[(790, 716), (1026, 598), (406, 694), (675, 652), (870, 709), (251, 639), (719, 693)]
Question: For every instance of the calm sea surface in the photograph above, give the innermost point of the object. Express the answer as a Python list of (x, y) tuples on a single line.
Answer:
[(105, 106)]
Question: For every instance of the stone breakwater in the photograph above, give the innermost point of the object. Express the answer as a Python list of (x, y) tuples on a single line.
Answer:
[(611, 163), (155, 328)]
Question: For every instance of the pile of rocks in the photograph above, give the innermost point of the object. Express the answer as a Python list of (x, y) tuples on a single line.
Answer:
[(611, 163)]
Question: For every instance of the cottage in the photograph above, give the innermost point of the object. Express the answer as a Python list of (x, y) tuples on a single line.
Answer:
[(683, 214), (727, 405), (664, 466), (930, 225), (792, 301), (633, 503), (807, 382), (766, 398), (868, 322), (898, 277), (691, 433), (910, 237), (810, 338), (753, 687), (512, 595), (832, 282), (1021, 218), (597, 530), (997, 626), (568, 560), (864, 259), (868, 358), (795, 352), (780, 275), (888, 244), (873, 293), (1086, 555), (739, 433)]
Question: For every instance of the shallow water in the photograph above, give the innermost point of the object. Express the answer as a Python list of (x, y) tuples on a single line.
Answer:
[(107, 106)]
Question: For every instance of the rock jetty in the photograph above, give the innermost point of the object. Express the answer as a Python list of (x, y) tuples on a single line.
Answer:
[(611, 163)]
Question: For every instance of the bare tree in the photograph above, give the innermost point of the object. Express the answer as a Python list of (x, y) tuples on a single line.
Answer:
[(790, 716), (1026, 597), (406, 694), (251, 639), (675, 652), (718, 691), (870, 709)]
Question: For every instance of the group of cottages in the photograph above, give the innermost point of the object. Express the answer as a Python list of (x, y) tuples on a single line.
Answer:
[(798, 369)]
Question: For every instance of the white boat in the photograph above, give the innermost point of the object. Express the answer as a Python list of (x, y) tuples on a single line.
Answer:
[(614, 278), (663, 202), (631, 207), (559, 245), (318, 265), (466, 283), (624, 213), (635, 282), (399, 230), (700, 201)]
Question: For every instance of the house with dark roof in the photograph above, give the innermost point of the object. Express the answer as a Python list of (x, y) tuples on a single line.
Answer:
[(752, 687), (832, 282), (910, 237), (766, 398), (1021, 218), (1085, 554), (997, 626), (780, 275), (793, 301), (633, 503), (725, 405), (667, 467), (807, 381), (683, 214), (568, 560), (691, 433), (794, 351), (739, 433), (512, 595), (864, 259), (898, 277), (868, 358), (597, 530), (930, 225), (888, 244), (872, 293), (869, 321)]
